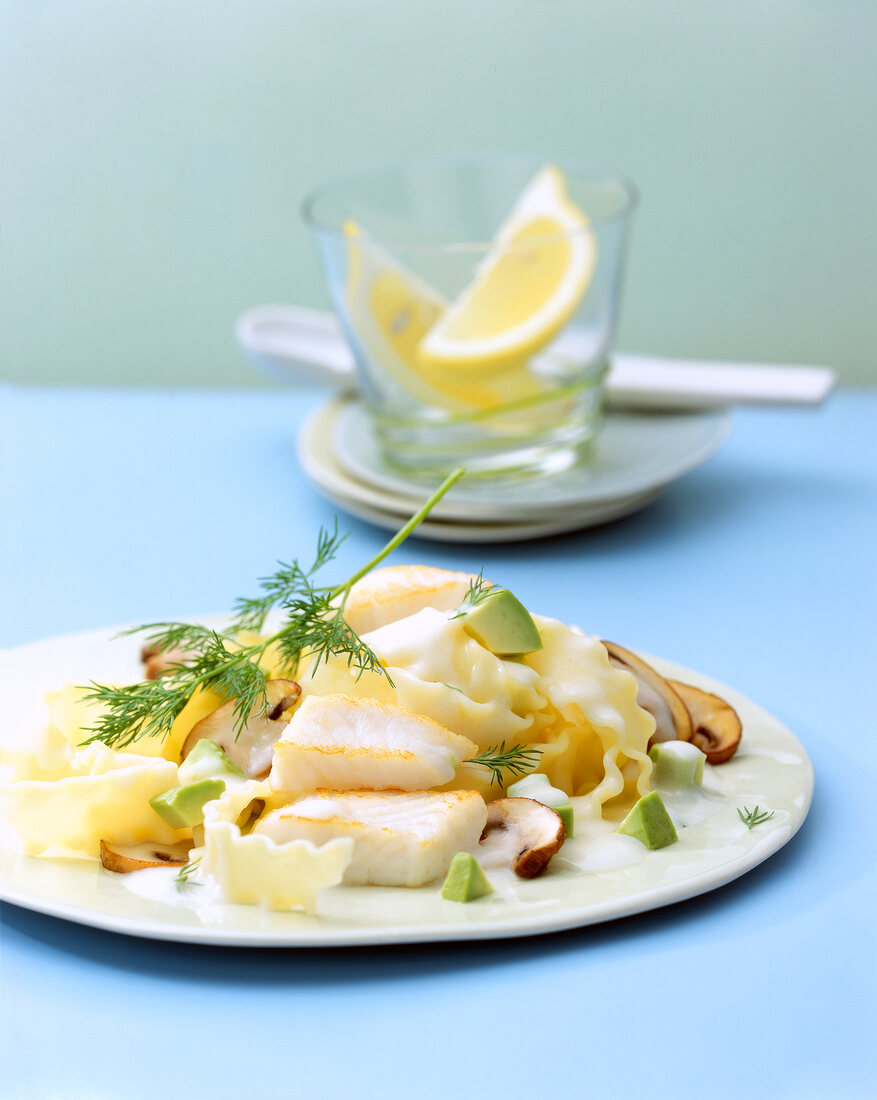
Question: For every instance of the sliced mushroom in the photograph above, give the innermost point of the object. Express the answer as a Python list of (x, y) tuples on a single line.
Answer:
[(251, 748), (656, 695), (157, 661), (123, 858), (523, 833), (716, 725), (249, 815)]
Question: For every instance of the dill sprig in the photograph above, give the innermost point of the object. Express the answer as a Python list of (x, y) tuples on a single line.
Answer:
[(186, 872), (478, 591), (287, 585), (517, 760), (751, 818), (149, 708), (313, 627)]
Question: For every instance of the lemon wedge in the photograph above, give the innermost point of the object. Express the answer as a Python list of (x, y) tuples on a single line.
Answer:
[(528, 286), (391, 310)]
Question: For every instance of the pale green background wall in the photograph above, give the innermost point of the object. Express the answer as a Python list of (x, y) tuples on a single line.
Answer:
[(152, 155)]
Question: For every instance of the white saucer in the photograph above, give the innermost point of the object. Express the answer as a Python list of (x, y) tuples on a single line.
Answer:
[(635, 454), (637, 457)]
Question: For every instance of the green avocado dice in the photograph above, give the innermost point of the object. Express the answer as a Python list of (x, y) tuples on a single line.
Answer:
[(502, 624), (465, 879), (529, 786), (567, 816), (676, 764), (649, 823), (537, 786), (207, 761), (183, 807)]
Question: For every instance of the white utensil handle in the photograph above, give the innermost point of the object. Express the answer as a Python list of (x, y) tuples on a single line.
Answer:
[(648, 382), (308, 345), (290, 341)]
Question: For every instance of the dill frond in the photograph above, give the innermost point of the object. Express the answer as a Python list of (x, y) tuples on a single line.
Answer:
[(518, 760), (478, 591), (185, 873), (313, 624), (751, 818)]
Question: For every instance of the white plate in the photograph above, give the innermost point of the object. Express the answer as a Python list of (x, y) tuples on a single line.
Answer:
[(771, 770), (635, 454)]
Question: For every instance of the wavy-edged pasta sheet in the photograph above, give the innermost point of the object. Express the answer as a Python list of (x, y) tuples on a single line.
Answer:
[(50, 754), (104, 794), (597, 746), (565, 699), (72, 717), (254, 870)]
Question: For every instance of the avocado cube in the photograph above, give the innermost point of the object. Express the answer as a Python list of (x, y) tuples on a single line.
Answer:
[(567, 816), (537, 786), (649, 823), (676, 764), (502, 624), (207, 761), (183, 807), (465, 880), (529, 786)]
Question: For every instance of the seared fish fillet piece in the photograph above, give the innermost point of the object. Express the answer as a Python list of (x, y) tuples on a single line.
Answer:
[(400, 838), (397, 591), (349, 744)]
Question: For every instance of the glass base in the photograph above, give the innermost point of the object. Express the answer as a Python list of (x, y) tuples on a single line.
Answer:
[(534, 442)]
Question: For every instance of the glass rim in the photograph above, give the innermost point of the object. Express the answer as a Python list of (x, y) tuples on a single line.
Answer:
[(577, 169)]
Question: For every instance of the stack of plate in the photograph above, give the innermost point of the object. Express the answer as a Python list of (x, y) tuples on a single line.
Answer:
[(637, 456)]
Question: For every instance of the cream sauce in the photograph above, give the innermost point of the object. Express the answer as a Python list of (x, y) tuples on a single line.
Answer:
[(596, 848)]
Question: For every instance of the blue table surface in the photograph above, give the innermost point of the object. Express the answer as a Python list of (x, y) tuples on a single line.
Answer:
[(757, 569)]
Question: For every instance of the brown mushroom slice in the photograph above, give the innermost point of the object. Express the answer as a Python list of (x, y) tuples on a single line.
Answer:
[(157, 661), (523, 833), (123, 858), (251, 748), (249, 815), (656, 695), (716, 725)]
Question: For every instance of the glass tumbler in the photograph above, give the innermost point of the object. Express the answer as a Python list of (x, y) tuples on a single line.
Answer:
[(480, 296)]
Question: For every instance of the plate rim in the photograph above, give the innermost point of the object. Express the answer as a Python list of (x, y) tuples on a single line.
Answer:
[(450, 530)]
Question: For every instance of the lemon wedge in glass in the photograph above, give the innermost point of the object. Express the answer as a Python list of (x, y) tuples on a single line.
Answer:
[(526, 289), (391, 310)]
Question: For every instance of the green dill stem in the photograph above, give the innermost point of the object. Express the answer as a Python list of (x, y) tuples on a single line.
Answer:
[(397, 540), (182, 879), (402, 534)]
